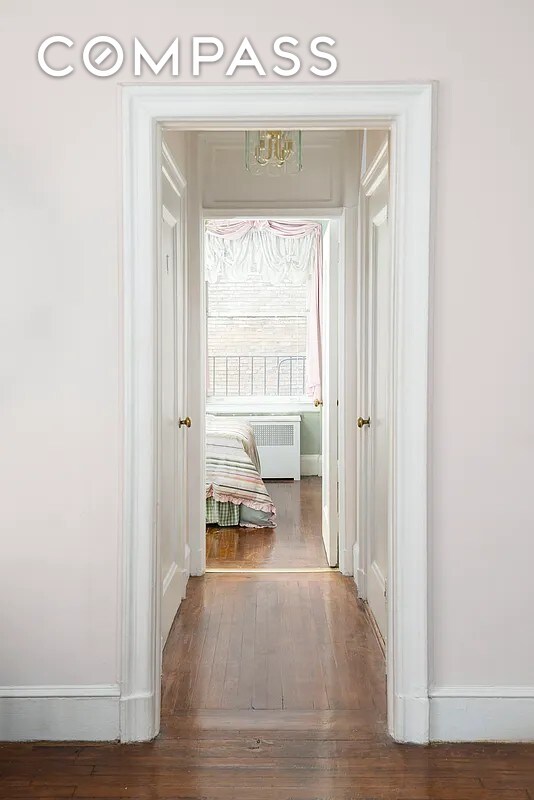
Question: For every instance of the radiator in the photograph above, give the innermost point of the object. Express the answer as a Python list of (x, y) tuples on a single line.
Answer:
[(278, 443)]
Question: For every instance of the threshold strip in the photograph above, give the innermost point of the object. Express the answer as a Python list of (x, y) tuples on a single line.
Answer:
[(272, 570)]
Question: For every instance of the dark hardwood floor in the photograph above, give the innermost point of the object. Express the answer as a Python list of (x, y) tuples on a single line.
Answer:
[(296, 541), (273, 689), (272, 642)]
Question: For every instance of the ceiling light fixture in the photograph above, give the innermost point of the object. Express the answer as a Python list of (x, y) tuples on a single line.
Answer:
[(273, 152)]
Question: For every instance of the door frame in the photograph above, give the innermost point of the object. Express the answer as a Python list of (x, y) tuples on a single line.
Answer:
[(334, 350), (335, 219), (408, 110)]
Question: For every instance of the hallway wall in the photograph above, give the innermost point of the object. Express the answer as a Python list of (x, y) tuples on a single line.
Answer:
[(61, 433)]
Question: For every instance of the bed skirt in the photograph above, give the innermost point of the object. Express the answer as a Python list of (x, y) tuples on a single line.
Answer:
[(232, 515), (219, 513)]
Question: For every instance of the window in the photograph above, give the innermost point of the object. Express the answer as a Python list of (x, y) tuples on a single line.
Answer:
[(256, 340), (263, 310)]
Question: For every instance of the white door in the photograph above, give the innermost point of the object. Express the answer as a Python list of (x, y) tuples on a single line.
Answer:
[(330, 524), (374, 422), (172, 333)]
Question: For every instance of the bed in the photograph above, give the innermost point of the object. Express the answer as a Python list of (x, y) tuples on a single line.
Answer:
[(235, 492)]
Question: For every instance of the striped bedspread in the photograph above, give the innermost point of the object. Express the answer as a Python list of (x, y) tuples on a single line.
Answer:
[(235, 428), (232, 465)]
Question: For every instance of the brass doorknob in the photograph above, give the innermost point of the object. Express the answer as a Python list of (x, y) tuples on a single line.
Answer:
[(186, 422), (361, 421), (317, 403)]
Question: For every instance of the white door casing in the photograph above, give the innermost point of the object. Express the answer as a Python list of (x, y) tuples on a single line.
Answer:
[(329, 416), (375, 441), (408, 110)]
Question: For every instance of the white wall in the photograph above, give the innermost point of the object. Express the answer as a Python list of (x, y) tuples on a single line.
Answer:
[(60, 514)]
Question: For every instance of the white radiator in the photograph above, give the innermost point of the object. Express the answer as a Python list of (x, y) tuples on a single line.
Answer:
[(278, 443)]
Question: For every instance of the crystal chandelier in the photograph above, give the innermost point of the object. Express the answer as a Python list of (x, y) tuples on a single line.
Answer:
[(273, 152)]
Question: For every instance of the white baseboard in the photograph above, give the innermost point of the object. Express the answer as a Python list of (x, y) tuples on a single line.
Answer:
[(360, 577), (59, 713), (187, 566), (174, 589), (170, 600), (378, 577), (311, 465), (482, 714), (137, 723), (411, 720)]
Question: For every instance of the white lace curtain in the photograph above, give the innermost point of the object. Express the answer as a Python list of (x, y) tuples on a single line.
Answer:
[(261, 250), (275, 252)]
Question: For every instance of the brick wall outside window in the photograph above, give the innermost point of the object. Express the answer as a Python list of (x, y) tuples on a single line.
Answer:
[(267, 325)]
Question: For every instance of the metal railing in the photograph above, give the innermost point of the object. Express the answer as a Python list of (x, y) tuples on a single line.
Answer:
[(263, 375)]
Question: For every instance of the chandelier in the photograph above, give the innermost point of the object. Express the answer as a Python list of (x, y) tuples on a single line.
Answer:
[(273, 152)]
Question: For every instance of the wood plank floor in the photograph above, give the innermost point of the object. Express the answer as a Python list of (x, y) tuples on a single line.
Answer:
[(296, 541), (273, 642), (273, 690)]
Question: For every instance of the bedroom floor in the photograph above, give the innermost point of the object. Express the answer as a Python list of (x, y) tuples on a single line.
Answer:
[(296, 542)]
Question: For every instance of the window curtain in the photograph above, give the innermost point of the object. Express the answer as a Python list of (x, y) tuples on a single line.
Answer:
[(276, 252)]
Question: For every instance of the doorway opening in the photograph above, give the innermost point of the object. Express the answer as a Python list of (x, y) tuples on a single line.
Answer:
[(270, 355), (407, 112), (274, 358)]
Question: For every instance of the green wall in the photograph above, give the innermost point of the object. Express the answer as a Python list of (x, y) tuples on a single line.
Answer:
[(310, 434)]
